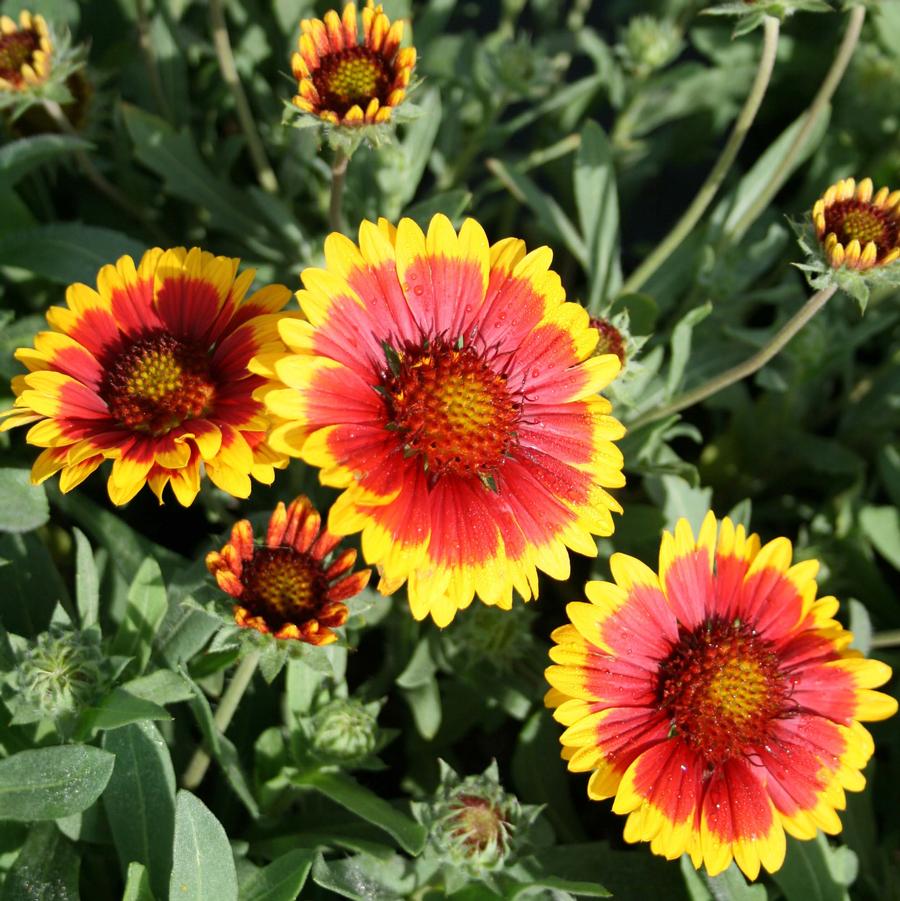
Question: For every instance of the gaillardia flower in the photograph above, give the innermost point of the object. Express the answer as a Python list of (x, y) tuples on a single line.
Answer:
[(150, 371), (718, 700), (292, 586), (25, 51), (857, 229), (345, 82), (451, 391)]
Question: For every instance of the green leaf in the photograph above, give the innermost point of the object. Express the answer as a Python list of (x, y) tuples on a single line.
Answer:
[(202, 864), (366, 878), (119, 708), (681, 345), (555, 884), (18, 158), (281, 880), (140, 800), (87, 582), (814, 871), (66, 252), (425, 705), (147, 605), (727, 886), (46, 868), (32, 586), (23, 506), (345, 791), (450, 203), (174, 157), (49, 783), (162, 687), (14, 335), (881, 525), (550, 215), (137, 883), (598, 214), (889, 471)]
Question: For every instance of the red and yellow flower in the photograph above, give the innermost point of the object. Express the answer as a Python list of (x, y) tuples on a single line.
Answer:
[(294, 585), (150, 371), (857, 227), (345, 82), (450, 390), (25, 51), (717, 700)]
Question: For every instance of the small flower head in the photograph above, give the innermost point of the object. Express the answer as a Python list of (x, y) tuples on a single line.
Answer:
[(717, 700), (856, 227), (612, 341), (345, 730), (346, 81), (648, 44), (25, 52), (58, 675), (294, 585), (474, 826)]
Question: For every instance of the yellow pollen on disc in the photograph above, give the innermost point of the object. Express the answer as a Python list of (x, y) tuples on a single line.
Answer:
[(355, 79), (282, 585), (862, 226)]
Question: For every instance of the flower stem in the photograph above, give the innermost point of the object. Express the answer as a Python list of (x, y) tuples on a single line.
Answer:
[(338, 174), (715, 178), (146, 42), (889, 639), (742, 370), (228, 67), (810, 120), (96, 177), (228, 704)]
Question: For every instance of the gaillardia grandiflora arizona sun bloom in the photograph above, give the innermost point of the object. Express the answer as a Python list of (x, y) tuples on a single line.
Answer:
[(856, 227), (25, 51), (448, 387), (292, 586), (718, 700), (150, 371), (345, 82)]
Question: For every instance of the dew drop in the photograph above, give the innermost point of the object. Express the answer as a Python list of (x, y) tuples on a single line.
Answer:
[(535, 372), (418, 290)]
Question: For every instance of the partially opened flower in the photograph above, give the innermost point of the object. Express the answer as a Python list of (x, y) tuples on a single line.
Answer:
[(150, 371), (717, 701), (347, 82), (451, 391), (25, 52), (857, 227), (292, 586)]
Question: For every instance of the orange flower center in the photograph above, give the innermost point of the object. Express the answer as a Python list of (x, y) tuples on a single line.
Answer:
[(721, 685), (478, 823), (16, 50), (282, 586), (450, 408), (158, 382), (349, 77), (856, 219)]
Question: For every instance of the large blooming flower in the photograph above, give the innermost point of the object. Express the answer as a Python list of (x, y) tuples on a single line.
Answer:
[(857, 227), (717, 701), (25, 51), (294, 584), (346, 82), (150, 371), (451, 391)]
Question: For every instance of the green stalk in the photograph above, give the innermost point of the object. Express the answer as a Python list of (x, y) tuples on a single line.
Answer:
[(816, 109), (146, 42), (228, 704), (742, 370), (228, 67), (714, 180), (338, 176)]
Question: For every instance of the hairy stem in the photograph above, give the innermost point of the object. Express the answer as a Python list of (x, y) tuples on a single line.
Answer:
[(228, 67), (338, 175), (228, 704), (714, 180), (742, 370), (817, 107)]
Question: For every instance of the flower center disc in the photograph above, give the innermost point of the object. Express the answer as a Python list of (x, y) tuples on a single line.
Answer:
[(157, 383), (352, 76), (16, 49), (721, 686), (450, 408), (282, 586), (478, 824), (855, 219)]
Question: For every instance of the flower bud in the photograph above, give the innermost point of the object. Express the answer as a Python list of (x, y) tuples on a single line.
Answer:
[(648, 44), (345, 730)]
